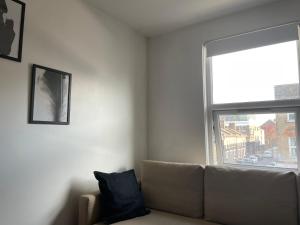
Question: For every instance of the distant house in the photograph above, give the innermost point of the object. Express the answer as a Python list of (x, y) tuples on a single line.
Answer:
[(241, 123), (270, 131), (233, 143), (286, 91), (255, 136), (285, 123)]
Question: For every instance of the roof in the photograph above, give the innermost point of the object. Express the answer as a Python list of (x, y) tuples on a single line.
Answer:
[(231, 132), (267, 123)]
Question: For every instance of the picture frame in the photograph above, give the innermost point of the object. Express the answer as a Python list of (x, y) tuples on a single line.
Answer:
[(12, 15), (50, 96)]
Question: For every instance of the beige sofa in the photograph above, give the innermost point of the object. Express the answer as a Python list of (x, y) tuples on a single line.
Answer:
[(187, 194)]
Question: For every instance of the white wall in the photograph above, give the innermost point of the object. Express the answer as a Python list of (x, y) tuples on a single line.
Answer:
[(43, 168), (176, 112)]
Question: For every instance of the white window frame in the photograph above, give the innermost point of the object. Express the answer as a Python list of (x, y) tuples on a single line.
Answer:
[(212, 111)]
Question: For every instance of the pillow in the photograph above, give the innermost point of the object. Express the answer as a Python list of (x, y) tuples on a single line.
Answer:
[(120, 195)]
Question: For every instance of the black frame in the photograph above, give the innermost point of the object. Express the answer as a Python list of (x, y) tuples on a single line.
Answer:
[(19, 58), (31, 120)]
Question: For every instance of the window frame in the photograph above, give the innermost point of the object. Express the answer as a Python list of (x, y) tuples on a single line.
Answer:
[(212, 111)]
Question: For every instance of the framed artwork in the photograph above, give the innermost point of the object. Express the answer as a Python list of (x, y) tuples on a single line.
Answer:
[(12, 13), (50, 96)]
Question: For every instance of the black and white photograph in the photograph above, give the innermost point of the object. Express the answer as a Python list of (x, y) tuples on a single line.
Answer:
[(50, 96), (12, 14)]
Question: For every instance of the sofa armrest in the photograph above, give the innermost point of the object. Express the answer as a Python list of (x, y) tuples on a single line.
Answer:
[(89, 209)]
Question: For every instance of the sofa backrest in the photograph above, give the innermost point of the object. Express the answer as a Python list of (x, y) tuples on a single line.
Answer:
[(173, 187), (250, 197), (298, 190)]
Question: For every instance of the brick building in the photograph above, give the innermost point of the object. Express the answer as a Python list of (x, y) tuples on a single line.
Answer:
[(285, 124)]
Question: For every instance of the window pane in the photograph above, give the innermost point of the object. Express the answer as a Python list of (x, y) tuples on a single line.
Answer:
[(258, 140), (260, 74)]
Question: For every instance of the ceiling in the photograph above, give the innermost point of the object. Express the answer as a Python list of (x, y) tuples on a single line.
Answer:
[(155, 17)]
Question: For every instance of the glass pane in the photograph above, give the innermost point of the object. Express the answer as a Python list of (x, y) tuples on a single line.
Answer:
[(259, 140), (260, 74)]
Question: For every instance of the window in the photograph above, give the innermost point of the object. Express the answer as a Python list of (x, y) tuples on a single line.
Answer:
[(253, 99), (258, 74), (291, 117), (257, 139), (292, 148)]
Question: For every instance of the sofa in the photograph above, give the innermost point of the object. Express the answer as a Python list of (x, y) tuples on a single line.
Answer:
[(189, 194)]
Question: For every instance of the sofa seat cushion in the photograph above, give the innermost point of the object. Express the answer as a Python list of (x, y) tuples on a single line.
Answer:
[(250, 197), (163, 218), (173, 187)]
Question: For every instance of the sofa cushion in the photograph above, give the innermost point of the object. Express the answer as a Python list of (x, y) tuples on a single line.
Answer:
[(173, 187), (298, 190), (250, 197), (121, 197), (163, 218)]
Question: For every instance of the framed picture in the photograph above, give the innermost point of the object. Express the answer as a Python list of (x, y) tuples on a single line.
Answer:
[(12, 14), (50, 96)]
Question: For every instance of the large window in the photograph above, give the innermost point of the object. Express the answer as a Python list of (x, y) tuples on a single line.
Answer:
[(253, 99)]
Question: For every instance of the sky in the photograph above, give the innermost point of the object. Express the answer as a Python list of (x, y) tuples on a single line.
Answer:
[(251, 75)]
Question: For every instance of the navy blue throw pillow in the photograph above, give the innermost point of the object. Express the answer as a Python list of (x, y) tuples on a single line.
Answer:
[(121, 197)]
